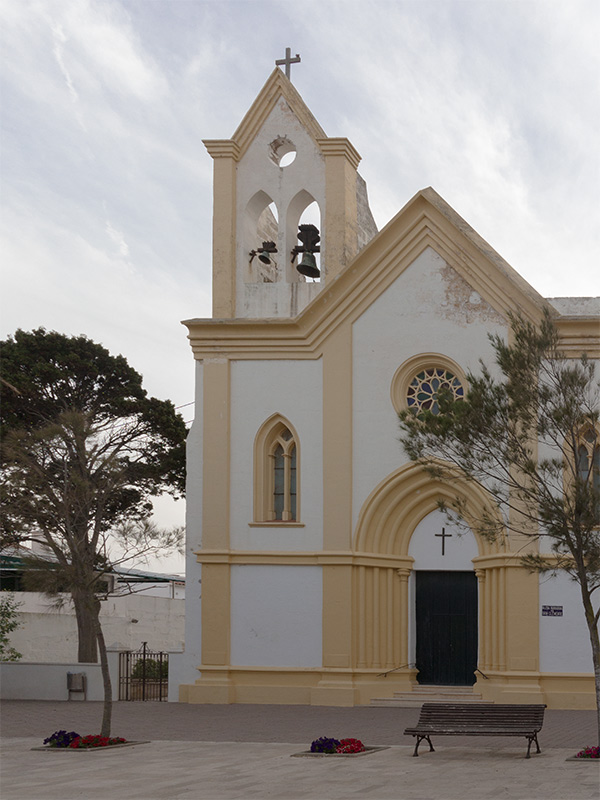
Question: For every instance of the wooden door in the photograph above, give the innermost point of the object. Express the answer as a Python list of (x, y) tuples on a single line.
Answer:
[(446, 613)]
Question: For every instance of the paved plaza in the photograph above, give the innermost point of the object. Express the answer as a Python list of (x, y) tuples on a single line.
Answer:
[(241, 751)]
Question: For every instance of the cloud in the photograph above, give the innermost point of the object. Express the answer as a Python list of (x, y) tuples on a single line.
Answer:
[(118, 239)]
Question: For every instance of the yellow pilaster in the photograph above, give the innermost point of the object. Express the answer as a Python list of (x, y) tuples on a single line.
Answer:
[(225, 153), (337, 518), (337, 441), (341, 234), (215, 512)]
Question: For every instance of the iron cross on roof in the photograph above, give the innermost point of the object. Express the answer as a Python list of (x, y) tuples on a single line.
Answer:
[(288, 61), (444, 536)]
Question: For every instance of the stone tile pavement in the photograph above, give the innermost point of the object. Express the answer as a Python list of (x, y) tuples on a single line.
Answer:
[(243, 752)]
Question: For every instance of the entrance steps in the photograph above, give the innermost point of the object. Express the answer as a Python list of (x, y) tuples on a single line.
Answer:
[(430, 694)]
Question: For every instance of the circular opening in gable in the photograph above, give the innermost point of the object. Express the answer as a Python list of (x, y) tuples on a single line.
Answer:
[(282, 151)]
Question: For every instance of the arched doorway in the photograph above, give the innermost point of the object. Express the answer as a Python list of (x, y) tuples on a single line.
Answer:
[(399, 535), (443, 601)]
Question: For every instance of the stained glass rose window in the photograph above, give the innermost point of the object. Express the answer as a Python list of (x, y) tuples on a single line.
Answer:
[(422, 391)]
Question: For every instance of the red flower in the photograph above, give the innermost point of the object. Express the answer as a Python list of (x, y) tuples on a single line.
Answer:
[(350, 746), (93, 740)]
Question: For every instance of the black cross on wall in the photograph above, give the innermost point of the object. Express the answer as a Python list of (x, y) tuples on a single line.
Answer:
[(443, 535)]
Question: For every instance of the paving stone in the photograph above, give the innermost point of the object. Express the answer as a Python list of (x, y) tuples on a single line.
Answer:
[(243, 753)]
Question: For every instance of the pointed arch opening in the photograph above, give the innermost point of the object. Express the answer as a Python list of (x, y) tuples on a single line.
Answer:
[(397, 505), (276, 472), (303, 209), (261, 225)]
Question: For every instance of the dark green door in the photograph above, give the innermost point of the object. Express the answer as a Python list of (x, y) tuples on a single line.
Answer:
[(446, 606)]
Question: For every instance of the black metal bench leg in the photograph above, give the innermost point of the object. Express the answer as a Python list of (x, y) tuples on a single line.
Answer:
[(530, 741), (419, 740)]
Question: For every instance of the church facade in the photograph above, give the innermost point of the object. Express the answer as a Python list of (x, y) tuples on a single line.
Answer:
[(320, 570)]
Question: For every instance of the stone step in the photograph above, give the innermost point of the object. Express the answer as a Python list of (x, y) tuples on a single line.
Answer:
[(430, 694), (434, 689)]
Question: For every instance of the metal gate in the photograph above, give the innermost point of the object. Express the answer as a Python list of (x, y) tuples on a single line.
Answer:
[(143, 675)]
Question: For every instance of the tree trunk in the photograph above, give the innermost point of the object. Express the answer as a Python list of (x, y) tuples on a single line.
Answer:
[(595, 642), (107, 708), (86, 615)]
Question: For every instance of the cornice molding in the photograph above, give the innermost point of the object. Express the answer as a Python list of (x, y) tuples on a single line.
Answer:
[(579, 335), (309, 558), (222, 148), (340, 147)]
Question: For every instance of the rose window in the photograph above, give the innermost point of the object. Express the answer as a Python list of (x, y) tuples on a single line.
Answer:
[(423, 389)]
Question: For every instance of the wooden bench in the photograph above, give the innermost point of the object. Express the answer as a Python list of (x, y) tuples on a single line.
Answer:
[(478, 719)]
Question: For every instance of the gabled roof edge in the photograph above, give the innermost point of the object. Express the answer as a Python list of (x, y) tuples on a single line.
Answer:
[(276, 86)]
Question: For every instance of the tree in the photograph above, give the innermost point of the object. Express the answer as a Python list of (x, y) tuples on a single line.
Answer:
[(83, 450), (530, 439), (9, 621)]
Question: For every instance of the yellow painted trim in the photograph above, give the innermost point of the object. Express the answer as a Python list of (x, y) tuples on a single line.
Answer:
[(340, 244), (216, 452), (224, 236), (277, 86), (579, 335), (337, 441), (320, 557), (395, 507), (277, 524), (347, 687), (216, 613)]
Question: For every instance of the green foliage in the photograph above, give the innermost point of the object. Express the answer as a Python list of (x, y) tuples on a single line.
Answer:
[(83, 451), (151, 669), (82, 444), (9, 621)]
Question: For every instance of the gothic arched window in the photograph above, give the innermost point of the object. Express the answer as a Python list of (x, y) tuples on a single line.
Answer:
[(588, 458), (276, 472)]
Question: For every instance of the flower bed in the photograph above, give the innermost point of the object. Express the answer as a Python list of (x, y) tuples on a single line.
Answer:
[(587, 754), (329, 747), (70, 740), (75, 740)]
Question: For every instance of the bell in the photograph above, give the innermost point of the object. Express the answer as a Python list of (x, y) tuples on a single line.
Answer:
[(308, 266), (264, 257)]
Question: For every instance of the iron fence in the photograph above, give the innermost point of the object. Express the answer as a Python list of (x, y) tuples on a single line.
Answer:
[(143, 675)]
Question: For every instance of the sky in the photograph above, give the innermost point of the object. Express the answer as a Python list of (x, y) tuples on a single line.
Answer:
[(107, 187)]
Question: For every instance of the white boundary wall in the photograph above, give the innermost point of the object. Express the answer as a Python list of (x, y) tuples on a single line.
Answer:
[(49, 635), (24, 680)]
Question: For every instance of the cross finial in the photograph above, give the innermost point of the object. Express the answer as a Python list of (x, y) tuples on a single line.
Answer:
[(288, 61)]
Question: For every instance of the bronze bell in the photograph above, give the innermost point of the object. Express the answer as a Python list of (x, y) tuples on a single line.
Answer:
[(308, 266)]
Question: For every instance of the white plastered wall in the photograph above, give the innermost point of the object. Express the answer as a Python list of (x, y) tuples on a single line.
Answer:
[(564, 641), (183, 666), (260, 389), (276, 616), (428, 309)]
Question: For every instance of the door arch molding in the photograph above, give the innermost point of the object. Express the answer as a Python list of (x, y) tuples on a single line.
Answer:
[(386, 523), (402, 499)]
